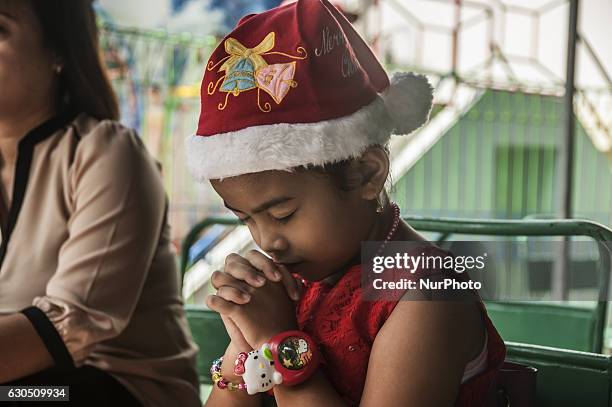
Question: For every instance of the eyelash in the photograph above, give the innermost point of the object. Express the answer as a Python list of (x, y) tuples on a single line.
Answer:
[(282, 220), (285, 219)]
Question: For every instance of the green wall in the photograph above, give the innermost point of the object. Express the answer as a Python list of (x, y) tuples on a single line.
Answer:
[(498, 161)]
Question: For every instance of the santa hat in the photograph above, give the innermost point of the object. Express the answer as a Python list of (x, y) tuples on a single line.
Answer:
[(297, 86), (352, 17)]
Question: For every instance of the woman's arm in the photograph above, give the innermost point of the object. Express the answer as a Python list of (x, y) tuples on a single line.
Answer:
[(22, 351), (116, 217)]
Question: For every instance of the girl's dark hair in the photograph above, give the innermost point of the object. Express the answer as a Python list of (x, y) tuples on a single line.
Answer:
[(343, 177), (69, 28), (341, 173)]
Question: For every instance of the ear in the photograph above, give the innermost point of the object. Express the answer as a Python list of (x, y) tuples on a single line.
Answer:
[(374, 168)]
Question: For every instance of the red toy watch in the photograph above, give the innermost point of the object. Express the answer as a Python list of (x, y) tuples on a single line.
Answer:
[(288, 358), (295, 356)]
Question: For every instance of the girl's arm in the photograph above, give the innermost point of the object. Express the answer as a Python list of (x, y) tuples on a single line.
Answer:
[(419, 355), (227, 398), (316, 391), (417, 359)]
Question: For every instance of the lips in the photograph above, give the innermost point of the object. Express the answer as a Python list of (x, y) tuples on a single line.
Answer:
[(292, 265), (286, 262)]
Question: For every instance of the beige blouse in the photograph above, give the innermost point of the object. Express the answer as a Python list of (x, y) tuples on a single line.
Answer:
[(87, 251)]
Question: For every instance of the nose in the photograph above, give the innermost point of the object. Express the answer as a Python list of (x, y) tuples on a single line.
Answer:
[(271, 241)]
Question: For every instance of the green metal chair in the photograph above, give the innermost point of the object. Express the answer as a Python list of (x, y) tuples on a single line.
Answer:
[(566, 377), (546, 336), (562, 326)]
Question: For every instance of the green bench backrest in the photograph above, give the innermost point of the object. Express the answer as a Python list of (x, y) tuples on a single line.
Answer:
[(559, 326), (566, 377)]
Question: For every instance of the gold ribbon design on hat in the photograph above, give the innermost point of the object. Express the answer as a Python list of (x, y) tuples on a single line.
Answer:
[(246, 69), (238, 51)]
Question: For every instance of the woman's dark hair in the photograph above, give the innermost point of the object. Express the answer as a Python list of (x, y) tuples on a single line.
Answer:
[(69, 28)]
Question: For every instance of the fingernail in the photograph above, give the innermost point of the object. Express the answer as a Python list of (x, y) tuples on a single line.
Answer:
[(277, 275), (295, 295), (246, 296), (260, 280)]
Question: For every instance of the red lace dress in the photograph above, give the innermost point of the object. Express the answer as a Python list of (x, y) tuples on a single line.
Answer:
[(344, 326)]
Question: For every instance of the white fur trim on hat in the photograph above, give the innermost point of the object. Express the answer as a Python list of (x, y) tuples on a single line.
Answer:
[(400, 109), (284, 146)]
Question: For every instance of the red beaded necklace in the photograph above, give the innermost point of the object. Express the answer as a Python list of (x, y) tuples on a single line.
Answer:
[(393, 229)]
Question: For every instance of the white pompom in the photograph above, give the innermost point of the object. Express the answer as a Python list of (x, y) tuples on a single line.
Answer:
[(408, 100)]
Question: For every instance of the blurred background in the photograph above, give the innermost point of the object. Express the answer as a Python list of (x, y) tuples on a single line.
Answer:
[(499, 68), (500, 144)]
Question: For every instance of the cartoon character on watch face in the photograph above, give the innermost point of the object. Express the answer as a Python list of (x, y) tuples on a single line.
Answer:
[(294, 353)]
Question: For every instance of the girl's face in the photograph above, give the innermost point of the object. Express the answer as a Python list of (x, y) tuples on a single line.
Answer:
[(300, 219), (27, 77)]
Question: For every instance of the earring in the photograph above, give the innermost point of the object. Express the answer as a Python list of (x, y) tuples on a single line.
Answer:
[(379, 206)]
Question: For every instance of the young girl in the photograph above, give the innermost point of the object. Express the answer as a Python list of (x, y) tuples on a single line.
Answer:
[(296, 112)]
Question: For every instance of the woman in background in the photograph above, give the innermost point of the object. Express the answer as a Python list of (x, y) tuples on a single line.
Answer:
[(89, 292)]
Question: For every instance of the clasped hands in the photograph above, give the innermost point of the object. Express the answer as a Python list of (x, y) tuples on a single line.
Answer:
[(255, 298)]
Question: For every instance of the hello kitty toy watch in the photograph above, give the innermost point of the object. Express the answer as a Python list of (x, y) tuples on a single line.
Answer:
[(289, 358)]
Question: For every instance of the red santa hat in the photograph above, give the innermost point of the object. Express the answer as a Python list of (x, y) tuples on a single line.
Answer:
[(352, 17), (297, 86)]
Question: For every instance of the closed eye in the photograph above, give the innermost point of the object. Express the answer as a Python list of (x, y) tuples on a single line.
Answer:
[(284, 219)]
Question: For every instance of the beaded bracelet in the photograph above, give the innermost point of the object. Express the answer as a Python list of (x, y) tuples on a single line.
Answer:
[(219, 381)]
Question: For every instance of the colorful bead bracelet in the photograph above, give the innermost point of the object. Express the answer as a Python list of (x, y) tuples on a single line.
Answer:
[(219, 381)]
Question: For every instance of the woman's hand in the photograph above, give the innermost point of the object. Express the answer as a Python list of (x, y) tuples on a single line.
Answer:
[(241, 275), (265, 311)]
